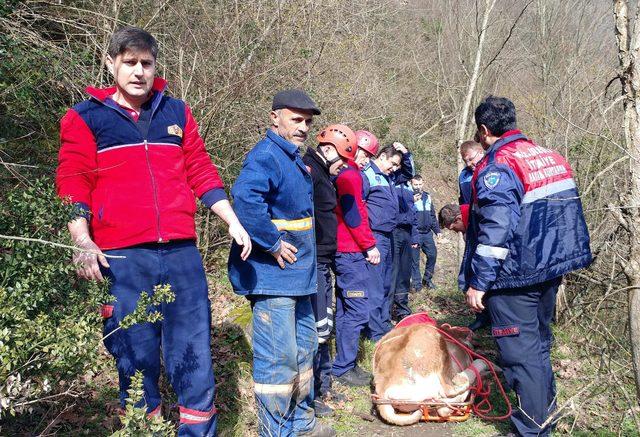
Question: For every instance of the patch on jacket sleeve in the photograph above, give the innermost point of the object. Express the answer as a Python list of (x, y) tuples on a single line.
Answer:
[(504, 331), (174, 129), (355, 293), (491, 179)]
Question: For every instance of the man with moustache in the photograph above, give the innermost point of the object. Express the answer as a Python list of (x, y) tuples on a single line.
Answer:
[(273, 198)]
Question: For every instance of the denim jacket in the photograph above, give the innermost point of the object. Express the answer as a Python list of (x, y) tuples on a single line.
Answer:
[(273, 199)]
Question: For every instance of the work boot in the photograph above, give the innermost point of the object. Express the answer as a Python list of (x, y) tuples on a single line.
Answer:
[(353, 379), (428, 283), (334, 396), (321, 409), (363, 373), (482, 320), (320, 430)]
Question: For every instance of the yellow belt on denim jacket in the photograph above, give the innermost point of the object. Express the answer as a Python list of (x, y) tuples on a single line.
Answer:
[(303, 224)]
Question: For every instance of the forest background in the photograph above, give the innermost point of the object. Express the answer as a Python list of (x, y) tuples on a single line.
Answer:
[(405, 70)]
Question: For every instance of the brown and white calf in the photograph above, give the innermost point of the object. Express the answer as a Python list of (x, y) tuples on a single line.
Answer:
[(414, 363)]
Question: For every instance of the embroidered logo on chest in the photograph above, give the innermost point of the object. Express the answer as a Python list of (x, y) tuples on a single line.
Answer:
[(174, 129)]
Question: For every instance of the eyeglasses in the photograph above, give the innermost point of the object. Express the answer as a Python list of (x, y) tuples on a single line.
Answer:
[(471, 161)]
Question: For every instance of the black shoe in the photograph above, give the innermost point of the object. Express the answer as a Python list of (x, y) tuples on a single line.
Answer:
[(320, 430), (415, 290), (482, 321), (431, 285), (353, 379), (334, 396), (363, 373), (321, 409)]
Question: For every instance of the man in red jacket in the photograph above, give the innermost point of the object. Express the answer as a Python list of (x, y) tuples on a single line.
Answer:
[(132, 160), (355, 256)]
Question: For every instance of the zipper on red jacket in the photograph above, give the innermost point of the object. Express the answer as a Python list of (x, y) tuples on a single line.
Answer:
[(155, 192), (146, 152)]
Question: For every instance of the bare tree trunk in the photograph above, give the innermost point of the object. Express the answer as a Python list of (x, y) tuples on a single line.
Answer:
[(463, 121), (628, 55)]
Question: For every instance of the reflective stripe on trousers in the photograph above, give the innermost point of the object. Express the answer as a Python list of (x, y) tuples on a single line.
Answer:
[(284, 344), (184, 332)]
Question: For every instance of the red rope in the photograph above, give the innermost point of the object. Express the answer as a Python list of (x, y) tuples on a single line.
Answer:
[(484, 406)]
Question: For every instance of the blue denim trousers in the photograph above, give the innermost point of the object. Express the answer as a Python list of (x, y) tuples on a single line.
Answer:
[(183, 336), (285, 341)]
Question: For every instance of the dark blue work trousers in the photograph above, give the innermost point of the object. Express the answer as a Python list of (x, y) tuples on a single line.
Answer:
[(401, 274), (520, 321), (322, 303), (353, 281), (428, 247), (380, 298), (183, 336)]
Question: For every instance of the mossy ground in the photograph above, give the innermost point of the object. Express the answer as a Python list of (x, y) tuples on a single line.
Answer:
[(94, 411)]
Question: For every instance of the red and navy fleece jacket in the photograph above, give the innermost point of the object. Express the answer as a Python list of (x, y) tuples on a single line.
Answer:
[(526, 224), (135, 177), (354, 234)]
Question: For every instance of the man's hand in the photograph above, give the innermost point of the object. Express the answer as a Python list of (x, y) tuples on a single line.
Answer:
[(224, 210), (373, 256), (400, 147), (87, 260), (417, 196), (474, 300), (241, 238), (286, 252)]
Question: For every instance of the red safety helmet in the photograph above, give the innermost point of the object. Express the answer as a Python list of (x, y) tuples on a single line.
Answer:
[(342, 138), (367, 142)]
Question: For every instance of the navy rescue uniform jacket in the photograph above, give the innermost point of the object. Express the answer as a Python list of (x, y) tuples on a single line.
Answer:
[(526, 224), (379, 193)]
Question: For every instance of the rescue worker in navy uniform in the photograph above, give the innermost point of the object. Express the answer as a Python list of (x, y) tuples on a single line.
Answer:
[(405, 241), (393, 165), (471, 153), (427, 227), (336, 146), (356, 257), (526, 229)]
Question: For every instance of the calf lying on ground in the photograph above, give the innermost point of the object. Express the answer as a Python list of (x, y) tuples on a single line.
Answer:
[(414, 363)]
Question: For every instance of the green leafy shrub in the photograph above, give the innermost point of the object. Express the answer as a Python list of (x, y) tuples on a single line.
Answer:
[(135, 422), (48, 319)]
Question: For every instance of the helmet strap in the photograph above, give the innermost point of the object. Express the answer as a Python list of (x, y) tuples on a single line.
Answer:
[(329, 162)]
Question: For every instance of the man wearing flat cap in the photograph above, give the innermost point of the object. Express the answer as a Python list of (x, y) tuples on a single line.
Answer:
[(273, 198)]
